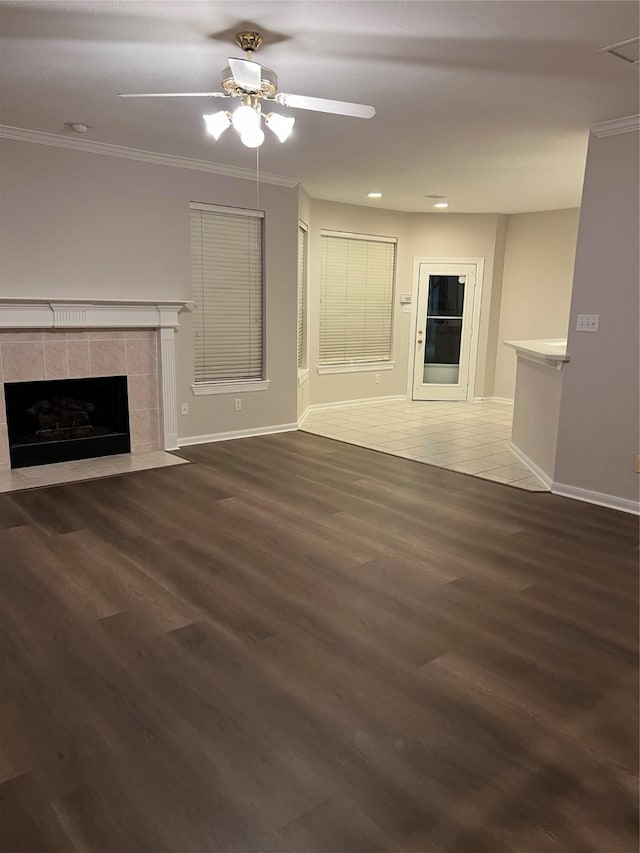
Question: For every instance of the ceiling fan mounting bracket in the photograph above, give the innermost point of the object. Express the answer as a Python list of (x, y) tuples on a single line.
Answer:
[(249, 41)]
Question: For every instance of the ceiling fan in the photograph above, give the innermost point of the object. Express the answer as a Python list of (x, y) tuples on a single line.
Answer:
[(255, 85)]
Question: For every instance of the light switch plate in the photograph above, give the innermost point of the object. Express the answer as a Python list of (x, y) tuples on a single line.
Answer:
[(588, 323), (405, 299)]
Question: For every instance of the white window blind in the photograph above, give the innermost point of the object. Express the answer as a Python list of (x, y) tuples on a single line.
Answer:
[(226, 258), (302, 297), (356, 298)]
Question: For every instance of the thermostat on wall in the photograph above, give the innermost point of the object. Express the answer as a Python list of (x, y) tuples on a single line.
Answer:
[(405, 299)]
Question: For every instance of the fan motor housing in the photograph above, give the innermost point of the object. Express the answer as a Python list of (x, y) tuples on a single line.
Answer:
[(268, 83)]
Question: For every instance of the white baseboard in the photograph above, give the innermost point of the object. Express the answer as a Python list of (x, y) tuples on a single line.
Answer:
[(302, 417), (531, 465), (610, 501), (238, 433), (362, 401), (508, 400)]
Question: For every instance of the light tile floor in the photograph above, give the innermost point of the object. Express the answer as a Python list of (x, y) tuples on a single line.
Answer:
[(472, 438), (84, 469)]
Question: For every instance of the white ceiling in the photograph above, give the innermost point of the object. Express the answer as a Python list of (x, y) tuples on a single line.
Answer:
[(487, 103)]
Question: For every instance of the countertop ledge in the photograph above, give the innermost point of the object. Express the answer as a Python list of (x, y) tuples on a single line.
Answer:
[(550, 350)]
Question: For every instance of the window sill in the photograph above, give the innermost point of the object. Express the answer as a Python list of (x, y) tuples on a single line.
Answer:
[(303, 376), (356, 368), (201, 389)]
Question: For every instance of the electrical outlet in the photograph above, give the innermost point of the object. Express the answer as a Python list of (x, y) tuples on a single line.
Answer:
[(377, 378), (237, 404), (185, 409), (588, 323)]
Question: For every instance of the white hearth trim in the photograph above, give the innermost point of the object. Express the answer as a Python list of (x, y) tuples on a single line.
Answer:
[(97, 314), (168, 395), (17, 314)]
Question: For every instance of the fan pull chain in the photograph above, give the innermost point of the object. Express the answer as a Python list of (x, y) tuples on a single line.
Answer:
[(258, 177)]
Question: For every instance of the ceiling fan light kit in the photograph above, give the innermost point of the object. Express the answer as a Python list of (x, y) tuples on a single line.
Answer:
[(254, 84), (246, 120)]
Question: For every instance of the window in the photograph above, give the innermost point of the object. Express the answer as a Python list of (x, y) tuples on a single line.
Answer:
[(302, 296), (356, 298), (226, 258)]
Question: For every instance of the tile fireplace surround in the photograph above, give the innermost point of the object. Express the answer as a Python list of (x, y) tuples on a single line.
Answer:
[(46, 339)]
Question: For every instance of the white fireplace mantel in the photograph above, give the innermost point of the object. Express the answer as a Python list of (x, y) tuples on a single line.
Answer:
[(19, 314)]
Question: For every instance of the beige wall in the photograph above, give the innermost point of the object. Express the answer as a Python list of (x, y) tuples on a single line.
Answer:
[(83, 225), (536, 285), (334, 387), (452, 235), (599, 412), (419, 235)]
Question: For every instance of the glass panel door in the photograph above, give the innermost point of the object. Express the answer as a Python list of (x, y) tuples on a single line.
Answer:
[(444, 318)]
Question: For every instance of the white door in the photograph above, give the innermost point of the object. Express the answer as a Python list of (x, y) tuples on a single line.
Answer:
[(443, 331)]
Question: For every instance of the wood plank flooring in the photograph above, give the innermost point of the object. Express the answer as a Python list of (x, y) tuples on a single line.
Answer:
[(299, 646)]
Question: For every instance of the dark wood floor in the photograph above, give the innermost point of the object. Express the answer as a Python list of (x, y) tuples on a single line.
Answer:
[(299, 646)]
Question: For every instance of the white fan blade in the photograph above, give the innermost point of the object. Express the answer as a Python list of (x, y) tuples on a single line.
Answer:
[(247, 74), (322, 105), (177, 95)]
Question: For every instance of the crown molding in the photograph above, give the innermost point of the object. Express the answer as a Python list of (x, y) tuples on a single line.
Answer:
[(22, 134), (616, 125)]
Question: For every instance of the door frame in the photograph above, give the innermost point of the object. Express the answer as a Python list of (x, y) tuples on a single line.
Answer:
[(475, 319)]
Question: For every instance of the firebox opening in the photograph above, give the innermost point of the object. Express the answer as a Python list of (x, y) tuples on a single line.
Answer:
[(63, 419)]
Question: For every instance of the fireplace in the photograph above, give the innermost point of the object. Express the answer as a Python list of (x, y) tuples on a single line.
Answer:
[(65, 419)]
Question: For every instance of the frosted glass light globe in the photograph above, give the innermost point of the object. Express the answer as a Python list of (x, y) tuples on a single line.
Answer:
[(245, 119), (253, 138)]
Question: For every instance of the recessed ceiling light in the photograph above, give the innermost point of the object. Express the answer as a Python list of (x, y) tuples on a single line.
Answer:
[(441, 204), (77, 126), (374, 195)]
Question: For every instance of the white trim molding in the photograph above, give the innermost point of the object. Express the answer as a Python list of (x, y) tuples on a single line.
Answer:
[(201, 389), (303, 417), (531, 465), (189, 440), (362, 401), (362, 367), (475, 320), (17, 313), (616, 125), (609, 501), (303, 376), (168, 390), (21, 134)]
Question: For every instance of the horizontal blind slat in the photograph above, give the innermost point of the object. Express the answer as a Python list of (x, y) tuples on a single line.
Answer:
[(356, 299), (227, 289)]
